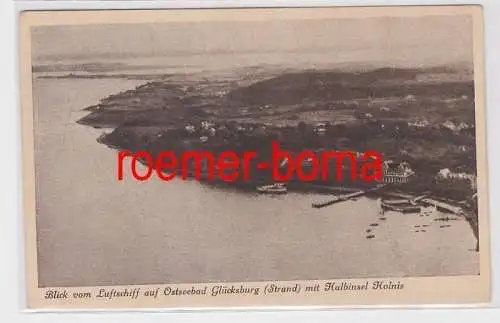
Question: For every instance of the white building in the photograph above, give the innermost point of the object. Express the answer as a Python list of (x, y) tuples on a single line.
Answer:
[(205, 125), (397, 173), (455, 126), (410, 98), (320, 128), (446, 173), (462, 125), (450, 125), (419, 124), (221, 93), (190, 128)]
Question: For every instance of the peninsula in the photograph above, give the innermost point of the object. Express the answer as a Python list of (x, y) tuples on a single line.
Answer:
[(421, 116)]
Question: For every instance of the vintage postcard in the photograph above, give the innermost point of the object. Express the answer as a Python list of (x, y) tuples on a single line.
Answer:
[(234, 158)]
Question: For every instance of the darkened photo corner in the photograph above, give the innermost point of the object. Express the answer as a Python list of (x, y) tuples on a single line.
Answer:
[(401, 86)]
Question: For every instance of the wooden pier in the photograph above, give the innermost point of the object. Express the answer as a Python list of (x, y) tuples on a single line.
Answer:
[(405, 201), (326, 188), (345, 197)]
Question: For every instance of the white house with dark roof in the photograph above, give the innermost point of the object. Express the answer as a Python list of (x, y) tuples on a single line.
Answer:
[(396, 173)]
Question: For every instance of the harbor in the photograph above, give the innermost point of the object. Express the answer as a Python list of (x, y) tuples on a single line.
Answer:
[(410, 205), (394, 201)]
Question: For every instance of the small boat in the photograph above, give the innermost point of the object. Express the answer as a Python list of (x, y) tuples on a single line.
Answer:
[(396, 202), (400, 207), (276, 188), (427, 211)]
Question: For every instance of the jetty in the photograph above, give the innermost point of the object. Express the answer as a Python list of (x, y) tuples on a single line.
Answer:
[(298, 185), (412, 201), (346, 197), (418, 199)]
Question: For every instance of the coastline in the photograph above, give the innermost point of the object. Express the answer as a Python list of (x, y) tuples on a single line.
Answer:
[(168, 212), (166, 106)]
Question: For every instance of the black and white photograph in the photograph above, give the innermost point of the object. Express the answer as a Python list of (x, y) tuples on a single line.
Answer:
[(362, 136)]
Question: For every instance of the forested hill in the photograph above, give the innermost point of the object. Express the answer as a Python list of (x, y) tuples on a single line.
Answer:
[(294, 88)]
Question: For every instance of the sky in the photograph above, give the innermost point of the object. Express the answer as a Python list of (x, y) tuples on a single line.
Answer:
[(431, 40)]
